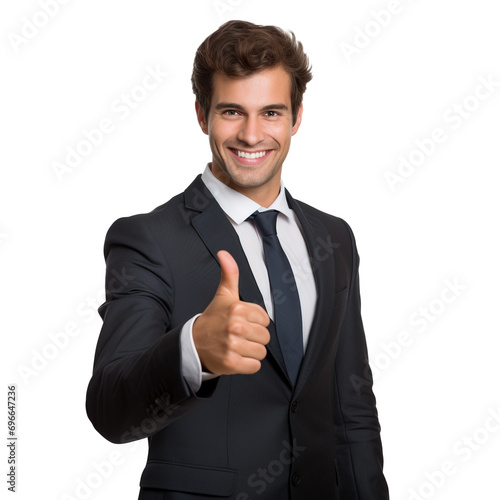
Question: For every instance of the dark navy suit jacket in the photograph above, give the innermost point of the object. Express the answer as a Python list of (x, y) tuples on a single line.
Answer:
[(239, 437)]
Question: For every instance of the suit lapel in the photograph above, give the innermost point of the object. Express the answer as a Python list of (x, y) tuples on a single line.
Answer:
[(321, 255), (217, 233)]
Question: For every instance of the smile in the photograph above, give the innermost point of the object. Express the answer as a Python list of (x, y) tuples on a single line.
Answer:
[(253, 155)]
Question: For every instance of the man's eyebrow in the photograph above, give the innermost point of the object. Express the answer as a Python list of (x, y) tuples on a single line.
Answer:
[(282, 107), (233, 105), (226, 105)]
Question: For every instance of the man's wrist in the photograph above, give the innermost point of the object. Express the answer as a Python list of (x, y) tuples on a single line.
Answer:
[(192, 369)]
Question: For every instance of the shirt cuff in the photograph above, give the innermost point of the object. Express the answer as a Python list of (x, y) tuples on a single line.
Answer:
[(190, 361)]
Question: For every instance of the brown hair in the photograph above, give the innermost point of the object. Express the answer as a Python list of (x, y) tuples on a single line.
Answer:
[(241, 48)]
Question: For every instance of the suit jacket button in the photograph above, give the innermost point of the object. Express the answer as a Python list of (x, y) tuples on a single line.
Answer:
[(294, 406), (296, 479)]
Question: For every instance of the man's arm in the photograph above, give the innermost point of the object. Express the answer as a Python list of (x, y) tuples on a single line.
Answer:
[(137, 387), (357, 430)]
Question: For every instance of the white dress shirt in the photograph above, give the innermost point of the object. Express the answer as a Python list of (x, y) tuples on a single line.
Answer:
[(238, 208)]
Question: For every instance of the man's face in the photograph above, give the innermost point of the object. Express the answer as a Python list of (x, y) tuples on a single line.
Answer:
[(250, 128)]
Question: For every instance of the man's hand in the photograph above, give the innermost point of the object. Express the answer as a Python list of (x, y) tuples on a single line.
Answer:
[(230, 336)]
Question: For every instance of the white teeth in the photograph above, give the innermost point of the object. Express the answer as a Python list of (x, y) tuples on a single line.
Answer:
[(242, 154)]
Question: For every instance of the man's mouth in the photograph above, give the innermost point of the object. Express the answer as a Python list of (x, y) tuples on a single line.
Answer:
[(250, 155)]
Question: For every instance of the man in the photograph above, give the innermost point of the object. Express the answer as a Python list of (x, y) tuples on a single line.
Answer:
[(232, 334)]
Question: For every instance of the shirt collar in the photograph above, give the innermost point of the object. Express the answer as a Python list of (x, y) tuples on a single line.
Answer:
[(237, 206)]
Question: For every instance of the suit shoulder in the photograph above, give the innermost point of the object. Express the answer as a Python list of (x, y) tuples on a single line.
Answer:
[(141, 229), (331, 221), (157, 216), (339, 230)]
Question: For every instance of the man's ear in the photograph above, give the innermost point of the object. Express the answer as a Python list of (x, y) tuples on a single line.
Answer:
[(298, 120), (201, 117)]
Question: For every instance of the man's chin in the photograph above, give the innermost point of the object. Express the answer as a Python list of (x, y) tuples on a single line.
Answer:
[(250, 180), (243, 176)]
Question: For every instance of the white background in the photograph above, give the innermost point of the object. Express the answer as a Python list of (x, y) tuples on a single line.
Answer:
[(362, 113)]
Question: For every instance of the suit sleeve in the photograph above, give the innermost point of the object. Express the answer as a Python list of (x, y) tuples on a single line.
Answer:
[(137, 387), (357, 428)]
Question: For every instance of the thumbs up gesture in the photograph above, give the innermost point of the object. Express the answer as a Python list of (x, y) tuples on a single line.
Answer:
[(230, 335)]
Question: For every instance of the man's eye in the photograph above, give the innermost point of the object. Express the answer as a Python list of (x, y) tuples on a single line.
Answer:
[(231, 112), (272, 113)]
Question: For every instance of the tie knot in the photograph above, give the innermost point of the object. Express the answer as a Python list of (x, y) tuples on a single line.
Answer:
[(265, 221)]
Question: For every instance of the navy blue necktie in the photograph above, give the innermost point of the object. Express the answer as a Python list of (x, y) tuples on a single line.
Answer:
[(287, 310)]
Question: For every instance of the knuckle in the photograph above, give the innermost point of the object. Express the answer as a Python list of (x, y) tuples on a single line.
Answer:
[(265, 318), (235, 327), (253, 366), (232, 343), (235, 309), (263, 336), (261, 352)]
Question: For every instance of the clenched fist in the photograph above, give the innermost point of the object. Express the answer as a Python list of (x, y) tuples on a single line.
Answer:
[(231, 335)]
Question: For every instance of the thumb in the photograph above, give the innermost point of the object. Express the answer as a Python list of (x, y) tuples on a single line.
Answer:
[(229, 273)]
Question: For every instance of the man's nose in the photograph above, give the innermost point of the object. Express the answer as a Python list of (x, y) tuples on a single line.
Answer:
[(251, 131)]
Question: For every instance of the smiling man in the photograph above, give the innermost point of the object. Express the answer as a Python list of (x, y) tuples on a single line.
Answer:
[(250, 124), (236, 343)]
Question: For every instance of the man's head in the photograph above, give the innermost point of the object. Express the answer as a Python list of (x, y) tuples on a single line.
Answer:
[(241, 48), (249, 82)]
